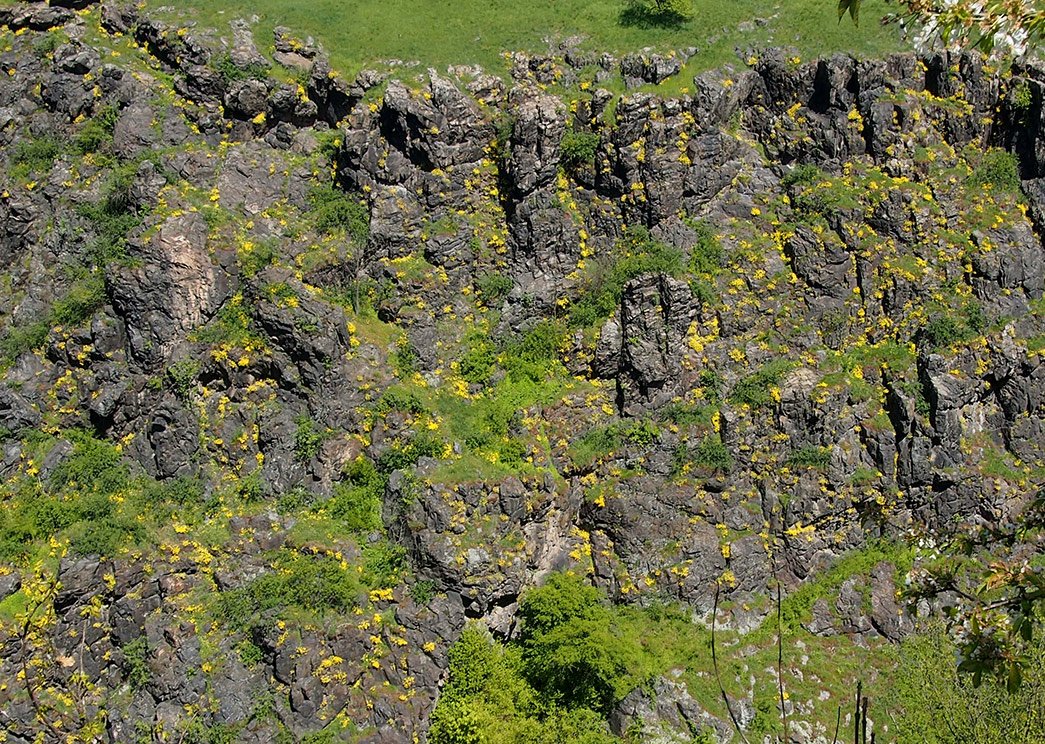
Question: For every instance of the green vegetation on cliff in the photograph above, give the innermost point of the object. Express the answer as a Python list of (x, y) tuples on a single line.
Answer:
[(361, 32)]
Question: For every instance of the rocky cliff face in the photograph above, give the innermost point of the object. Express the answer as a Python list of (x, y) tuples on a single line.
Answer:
[(670, 343)]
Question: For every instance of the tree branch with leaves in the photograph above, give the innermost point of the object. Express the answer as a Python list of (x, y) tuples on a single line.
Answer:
[(1011, 28)]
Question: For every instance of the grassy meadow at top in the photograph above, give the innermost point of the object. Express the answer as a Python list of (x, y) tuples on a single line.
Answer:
[(437, 33)]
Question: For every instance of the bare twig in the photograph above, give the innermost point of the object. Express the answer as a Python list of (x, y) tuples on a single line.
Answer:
[(718, 677), (23, 642), (780, 658)]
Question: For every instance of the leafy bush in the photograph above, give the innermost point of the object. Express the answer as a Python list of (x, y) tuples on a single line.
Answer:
[(112, 219), (23, 338), (234, 73), (404, 454), (37, 154), (754, 390), (669, 14), (710, 454), (810, 457), (136, 662), (423, 591), (182, 376), (948, 326), (249, 653), (706, 256), (97, 132), (405, 359), (492, 288), (334, 210), (637, 253), (602, 441), (802, 175), (307, 582), (308, 441), (357, 500), (684, 414), (257, 256), (531, 356), (93, 468), (1021, 98), (578, 148), (231, 325), (106, 536), (184, 491), (703, 291), (998, 168), (477, 362), (572, 648), (383, 564), (399, 399), (952, 709), (84, 297)]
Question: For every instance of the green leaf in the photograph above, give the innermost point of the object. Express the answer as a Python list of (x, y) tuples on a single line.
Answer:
[(849, 6)]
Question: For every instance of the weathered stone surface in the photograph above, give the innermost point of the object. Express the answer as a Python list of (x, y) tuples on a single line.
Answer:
[(176, 288)]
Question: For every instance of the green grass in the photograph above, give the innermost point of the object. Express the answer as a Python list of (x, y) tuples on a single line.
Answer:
[(444, 32)]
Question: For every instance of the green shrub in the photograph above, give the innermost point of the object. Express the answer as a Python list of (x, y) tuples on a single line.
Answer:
[(936, 704), (684, 414), (399, 399), (357, 500), (423, 591), (603, 441), (710, 454), (308, 440), (317, 583), (93, 468), (754, 390), (136, 662), (1021, 98), (532, 356), (20, 339), (578, 148), (183, 491), (810, 457), (261, 255), (231, 325), (573, 650), (48, 43), (251, 488), (182, 376), (37, 155), (405, 359), (667, 14), (112, 218), (249, 653), (947, 326), (704, 292), (802, 175), (233, 73), (706, 256), (998, 168), (637, 253), (104, 537), (513, 453), (477, 362), (383, 564), (333, 210), (404, 454), (97, 131), (488, 699), (492, 288), (84, 297)]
